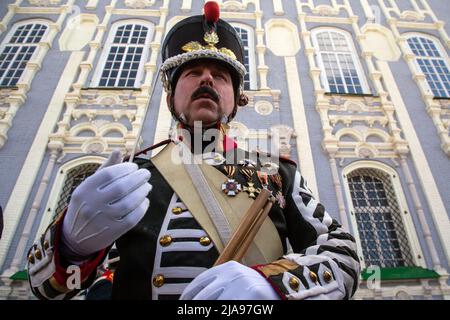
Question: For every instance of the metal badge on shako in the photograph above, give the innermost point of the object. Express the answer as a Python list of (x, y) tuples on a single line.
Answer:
[(231, 187), (213, 158)]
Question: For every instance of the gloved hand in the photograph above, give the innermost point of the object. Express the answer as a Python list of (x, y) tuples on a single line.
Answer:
[(105, 206), (229, 281)]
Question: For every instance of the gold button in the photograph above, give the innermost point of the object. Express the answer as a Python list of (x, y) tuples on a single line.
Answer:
[(38, 254), (177, 210), (205, 241), (165, 241), (313, 276), (294, 283), (327, 276), (46, 244), (158, 281), (31, 259)]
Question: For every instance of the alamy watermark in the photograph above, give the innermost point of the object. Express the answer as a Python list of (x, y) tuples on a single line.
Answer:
[(374, 280), (198, 142), (73, 281)]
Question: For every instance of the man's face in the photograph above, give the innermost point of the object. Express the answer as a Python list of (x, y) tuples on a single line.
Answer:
[(204, 92)]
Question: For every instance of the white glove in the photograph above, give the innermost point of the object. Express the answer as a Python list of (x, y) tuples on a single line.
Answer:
[(229, 281), (105, 206)]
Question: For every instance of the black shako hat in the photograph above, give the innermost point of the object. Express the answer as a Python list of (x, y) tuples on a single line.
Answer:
[(203, 37)]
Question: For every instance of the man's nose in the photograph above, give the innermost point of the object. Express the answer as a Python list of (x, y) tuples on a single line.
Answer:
[(206, 78)]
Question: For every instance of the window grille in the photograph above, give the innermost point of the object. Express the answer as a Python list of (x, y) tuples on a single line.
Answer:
[(383, 237), (432, 65), (18, 50), (243, 33), (341, 72), (73, 179), (125, 55)]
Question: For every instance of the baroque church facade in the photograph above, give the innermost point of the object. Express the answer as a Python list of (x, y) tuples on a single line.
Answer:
[(355, 91)]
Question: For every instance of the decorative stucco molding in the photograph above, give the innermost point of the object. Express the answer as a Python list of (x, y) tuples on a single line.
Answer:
[(263, 107), (100, 120), (95, 146), (325, 10), (235, 6), (139, 4), (44, 3)]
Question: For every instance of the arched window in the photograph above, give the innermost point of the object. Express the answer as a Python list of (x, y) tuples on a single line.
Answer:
[(124, 55), (382, 234), (246, 34), (73, 179), (337, 58), (18, 48), (431, 60), (68, 177)]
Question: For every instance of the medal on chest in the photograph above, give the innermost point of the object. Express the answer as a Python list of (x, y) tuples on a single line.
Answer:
[(231, 187), (250, 187), (276, 179)]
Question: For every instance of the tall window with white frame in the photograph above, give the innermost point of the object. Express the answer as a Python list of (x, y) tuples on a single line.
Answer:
[(18, 48), (121, 65), (246, 36), (336, 56), (383, 236), (431, 61)]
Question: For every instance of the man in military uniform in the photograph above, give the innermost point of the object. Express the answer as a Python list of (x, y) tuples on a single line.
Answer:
[(171, 218)]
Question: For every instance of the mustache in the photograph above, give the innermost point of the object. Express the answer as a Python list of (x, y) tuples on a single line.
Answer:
[(206, 90)]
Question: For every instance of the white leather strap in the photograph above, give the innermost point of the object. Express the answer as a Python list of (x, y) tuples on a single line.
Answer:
[(206, 195)]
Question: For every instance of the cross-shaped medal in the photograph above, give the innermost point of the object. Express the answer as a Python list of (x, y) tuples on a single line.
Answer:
[(250, 187), (251, 190), (231, 187)]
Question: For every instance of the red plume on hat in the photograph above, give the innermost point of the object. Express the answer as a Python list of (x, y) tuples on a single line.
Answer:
[(211, 12)]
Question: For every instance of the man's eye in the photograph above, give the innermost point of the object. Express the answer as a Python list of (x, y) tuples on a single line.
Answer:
[(192, 73), (221, 76)]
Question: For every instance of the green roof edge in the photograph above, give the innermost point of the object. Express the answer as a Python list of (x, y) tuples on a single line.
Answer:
[(20, 275), (402, 273)]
